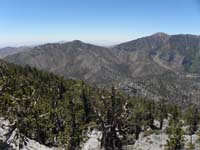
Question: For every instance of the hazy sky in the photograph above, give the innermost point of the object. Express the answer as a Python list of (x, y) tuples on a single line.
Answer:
[(103, 21)]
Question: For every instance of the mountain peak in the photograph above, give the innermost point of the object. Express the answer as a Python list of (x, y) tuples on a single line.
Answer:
[(77, 42), (160, 34)]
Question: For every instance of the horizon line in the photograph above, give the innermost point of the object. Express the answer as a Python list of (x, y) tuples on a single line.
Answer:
[(99, 42)]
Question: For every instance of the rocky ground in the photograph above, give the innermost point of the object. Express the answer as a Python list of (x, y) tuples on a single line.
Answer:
[(150, 140), (11, 139)]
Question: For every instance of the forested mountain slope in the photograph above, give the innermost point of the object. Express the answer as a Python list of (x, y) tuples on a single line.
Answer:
[(57, 113), (73, 60), (43, 106), (138, 66)]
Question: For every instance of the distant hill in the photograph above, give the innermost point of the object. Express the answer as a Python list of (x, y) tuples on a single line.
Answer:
[(87, 62), (179, 53), (72, 60), (145, 43), (12, 50)]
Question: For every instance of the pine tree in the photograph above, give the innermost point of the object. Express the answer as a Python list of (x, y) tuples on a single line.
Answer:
[(192, 119), (112, 121), (162, 113), (74, 140), (87, 107), (176, 139)]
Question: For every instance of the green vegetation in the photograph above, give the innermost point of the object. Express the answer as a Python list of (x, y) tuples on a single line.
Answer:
[(43, 106), (175, 132), (176, 139), (58, 112)]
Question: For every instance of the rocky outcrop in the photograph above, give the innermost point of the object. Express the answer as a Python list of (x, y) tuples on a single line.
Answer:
[(12, 139)]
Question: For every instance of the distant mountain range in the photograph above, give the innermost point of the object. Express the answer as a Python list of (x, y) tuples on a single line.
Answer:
[(175, 52), (173, 59), (12, 50)]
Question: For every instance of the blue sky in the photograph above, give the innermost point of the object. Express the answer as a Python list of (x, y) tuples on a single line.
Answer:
[(103, 21)]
